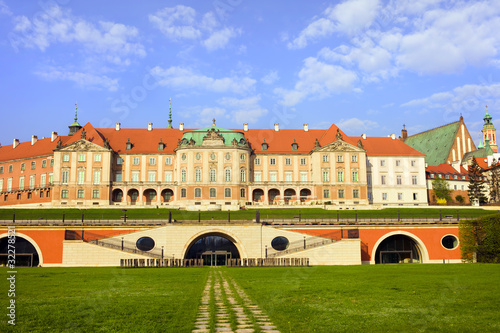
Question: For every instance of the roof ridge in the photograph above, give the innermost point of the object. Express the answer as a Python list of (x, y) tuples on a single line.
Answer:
[(435, 128)]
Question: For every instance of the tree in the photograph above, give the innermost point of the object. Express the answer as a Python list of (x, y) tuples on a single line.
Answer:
[(441, 189), (480, 239), (495, 181), (476, 183), (460, 199)]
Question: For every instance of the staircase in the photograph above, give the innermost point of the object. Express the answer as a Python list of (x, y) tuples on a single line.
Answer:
[(301, 245)]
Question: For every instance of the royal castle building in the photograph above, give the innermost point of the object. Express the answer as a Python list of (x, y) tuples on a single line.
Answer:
[(210, 168)]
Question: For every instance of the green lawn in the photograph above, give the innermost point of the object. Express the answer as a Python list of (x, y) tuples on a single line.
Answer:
[(383, 298), (305, 213)]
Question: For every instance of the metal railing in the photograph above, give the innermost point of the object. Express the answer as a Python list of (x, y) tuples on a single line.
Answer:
[(300, 245)]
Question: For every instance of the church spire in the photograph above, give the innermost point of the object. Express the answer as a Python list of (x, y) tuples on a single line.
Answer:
[(75, 126), (489, 131), (170, 114)]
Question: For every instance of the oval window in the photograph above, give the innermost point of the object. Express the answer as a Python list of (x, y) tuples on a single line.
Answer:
[(228, 156), (183, 157), (198, 156), (280, 243), (449, 242), (212, 156), (145, 244)]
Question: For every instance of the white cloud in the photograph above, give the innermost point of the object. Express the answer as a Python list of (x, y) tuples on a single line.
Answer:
[(318, 80), (4, 9), (115, 42), (320, 28), (356, 126), (270, 77), (182, 23), (206, 115), (182, 78), (245, 110), (353, 15), (81, 79)]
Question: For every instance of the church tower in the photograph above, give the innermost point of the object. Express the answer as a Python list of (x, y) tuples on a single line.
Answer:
[(489, 132)]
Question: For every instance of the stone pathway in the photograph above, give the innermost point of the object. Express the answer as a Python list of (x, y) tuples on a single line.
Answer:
[(234, 310)]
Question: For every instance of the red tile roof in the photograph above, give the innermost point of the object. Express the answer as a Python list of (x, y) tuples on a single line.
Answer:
[(42, 147), (446, 169)]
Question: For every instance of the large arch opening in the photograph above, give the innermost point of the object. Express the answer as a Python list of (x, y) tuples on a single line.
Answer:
[(258, 195), (149, 196), (167, 195), (133, 196), (26, 254), (305, 195), (117, 195), (273, 195), (398, 249), (289, 195), (214, 248)]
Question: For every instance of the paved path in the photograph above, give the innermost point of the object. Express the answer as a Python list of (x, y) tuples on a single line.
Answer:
[(233, 310)]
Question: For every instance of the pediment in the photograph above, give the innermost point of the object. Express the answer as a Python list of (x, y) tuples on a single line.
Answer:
[(339, 145), (82, 145)]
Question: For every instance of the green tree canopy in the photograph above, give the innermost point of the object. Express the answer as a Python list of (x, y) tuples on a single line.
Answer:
[(477, 188), (441, 189)]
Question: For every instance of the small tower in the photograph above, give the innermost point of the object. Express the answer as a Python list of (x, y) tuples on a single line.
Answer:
[(75, 126), (170, 114), (489, 132)]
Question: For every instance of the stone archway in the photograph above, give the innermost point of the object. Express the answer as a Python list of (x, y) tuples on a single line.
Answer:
[(305, 195), (167, 195), (258, 195), (289, 196), (117, 195), (149, 196), (273, 195), (133, 196), (27, 251), (399, 247), (215, 248)]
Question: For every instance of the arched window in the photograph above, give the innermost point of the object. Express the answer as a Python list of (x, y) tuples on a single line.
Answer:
[(197, 192), (243, 175), (213, 175), (213, 193), (197, 175), (227, 192), (183, 193), (227, 175), (242, 193)]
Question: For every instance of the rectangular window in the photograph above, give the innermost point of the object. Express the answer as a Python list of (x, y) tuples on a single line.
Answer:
[(118, 177), (303, 176), (462, 187), (384, 196), (325, 176), (9, 184), (95, 194), (65, 157), (257, 177), (44, 163), (119, 161), (341, 194), (355, 194), (355, 176), (340, 158), (369, 179), (33, 165), (80, 194), (325, 158), (135, 177), (65, 177), (455, 187), (197, 175), (382, 162), (183, 175), (32, 181), (398, 163), (415, 196), (288, 161), (135, 161), (399, 180), (326, 194), (81, 157), (400, 196), (213, 175), (340, 175), (383, 179), (97, 176), (152, 161), (227, 193), (414, 180), (64, 194), (303, 161), (81, 177), (51, 178), (197, 192), (168, 176), (43, 179), (183, 193), (51, 162), (273, 177), (288, 177), (23, 166), (1, 185), (151, 176), (413, 163), (97, 157), (10, 168), (354, 158), (272, 161), (168, 160), (257, 161), (21, 183), (1, 169)]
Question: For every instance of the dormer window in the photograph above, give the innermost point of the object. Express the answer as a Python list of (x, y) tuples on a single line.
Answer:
[(265, 146), (161, 145), (432, 175), (295, 146), (129, 144)]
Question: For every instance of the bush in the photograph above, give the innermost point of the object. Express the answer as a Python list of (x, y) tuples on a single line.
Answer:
[(441, 201), (460, 199), (480, 239)]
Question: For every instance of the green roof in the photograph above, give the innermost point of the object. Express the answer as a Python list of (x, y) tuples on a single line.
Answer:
[(435, 143), (228, 136)]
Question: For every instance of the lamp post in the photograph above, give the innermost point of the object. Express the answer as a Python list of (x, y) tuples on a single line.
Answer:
[(162, 253), (122, 243), (304, 242), (266, 251)]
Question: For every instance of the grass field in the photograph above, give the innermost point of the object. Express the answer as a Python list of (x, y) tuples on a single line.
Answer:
[(307, 213), (382, 298)]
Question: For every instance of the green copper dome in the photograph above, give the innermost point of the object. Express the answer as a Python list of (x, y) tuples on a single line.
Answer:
[(213, 133)]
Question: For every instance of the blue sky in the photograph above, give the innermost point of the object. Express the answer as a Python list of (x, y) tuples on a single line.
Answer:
[(368, 66)]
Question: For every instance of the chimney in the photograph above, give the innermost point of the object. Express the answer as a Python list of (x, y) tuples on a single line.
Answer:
[(393, 136), (306, 127), (150, 126), (181, 126), (276, 127), (34, 139), (363, 136), (15, 143), (53, 136), (117, 126), (404, 134), (245, 127)]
